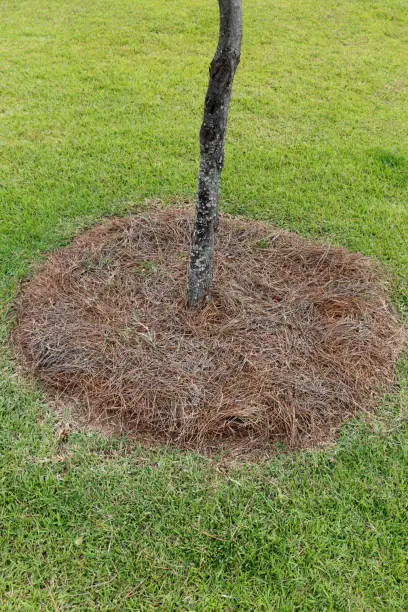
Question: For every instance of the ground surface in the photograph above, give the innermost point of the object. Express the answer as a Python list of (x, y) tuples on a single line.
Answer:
[(317, 143)]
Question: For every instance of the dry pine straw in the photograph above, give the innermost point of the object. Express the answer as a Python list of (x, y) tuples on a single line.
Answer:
[(297, 338)]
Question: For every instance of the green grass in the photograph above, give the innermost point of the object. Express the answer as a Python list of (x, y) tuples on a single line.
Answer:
[(100, 108)]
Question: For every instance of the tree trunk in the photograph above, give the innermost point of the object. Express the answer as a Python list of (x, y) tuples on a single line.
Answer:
[(212, 138)]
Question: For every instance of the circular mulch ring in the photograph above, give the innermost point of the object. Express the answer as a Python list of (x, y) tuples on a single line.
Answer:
[(298, 336)]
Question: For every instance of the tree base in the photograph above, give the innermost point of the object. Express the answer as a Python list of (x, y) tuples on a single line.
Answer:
[(297, 338)]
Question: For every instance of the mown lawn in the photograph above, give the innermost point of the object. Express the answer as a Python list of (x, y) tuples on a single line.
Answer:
[(100, 107)]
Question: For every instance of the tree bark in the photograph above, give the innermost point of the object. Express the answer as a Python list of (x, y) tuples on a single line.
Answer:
[(212, 138)]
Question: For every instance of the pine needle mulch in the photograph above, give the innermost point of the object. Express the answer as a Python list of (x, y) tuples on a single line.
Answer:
[(298, 336)]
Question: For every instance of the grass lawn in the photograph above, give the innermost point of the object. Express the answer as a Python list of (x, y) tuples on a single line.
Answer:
[(100, 108)]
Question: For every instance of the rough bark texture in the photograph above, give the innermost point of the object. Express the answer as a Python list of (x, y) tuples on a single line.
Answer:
[(212, 138)]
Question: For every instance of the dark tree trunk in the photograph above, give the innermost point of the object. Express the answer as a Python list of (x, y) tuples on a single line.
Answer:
[(212, 138)]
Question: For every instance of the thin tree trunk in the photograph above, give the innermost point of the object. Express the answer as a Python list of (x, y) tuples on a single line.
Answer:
[(212, 138)]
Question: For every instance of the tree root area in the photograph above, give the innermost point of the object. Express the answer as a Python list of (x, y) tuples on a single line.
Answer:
[(297, 338)]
